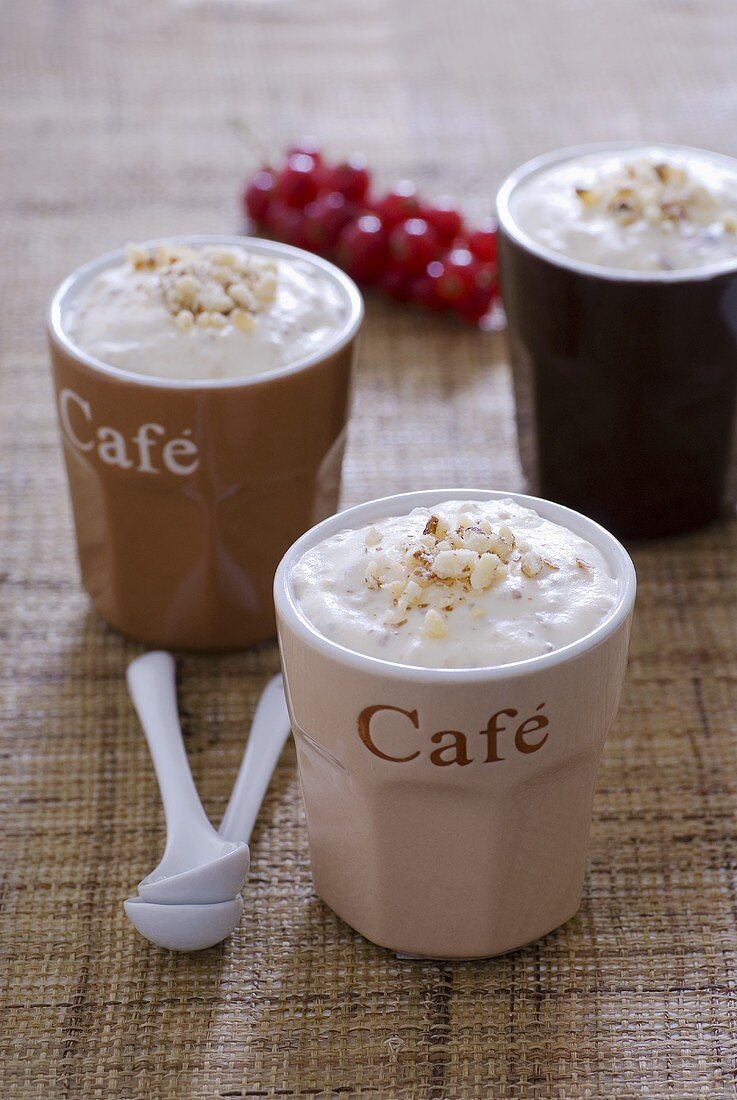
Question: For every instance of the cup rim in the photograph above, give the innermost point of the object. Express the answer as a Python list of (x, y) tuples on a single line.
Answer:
[(508, 223), (287, 607), (81, 275)]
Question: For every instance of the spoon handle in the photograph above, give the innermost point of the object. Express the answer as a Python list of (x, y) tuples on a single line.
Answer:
[(269, 730), (152, 685)]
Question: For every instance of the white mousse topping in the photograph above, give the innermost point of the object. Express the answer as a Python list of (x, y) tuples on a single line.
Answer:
[(645, 209), (466, 584), (209, 312)]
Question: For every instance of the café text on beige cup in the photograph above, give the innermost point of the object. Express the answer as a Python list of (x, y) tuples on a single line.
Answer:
[(448, 810)]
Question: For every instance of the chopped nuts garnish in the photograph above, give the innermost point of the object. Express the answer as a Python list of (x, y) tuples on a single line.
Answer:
[(211, 287), (443, 566), (660, 194)]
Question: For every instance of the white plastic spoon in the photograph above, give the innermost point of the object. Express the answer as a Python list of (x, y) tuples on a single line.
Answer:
[(269, 731), (191, 842), (184, 927), (194, 927)]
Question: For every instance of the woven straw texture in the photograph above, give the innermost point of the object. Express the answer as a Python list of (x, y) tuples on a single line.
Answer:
[(130, 120)]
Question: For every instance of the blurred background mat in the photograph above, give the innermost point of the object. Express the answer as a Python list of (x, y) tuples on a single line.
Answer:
[(124, 121)]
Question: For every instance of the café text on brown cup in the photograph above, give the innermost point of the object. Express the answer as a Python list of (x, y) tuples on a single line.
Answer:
[(186, 494), (625, 381)]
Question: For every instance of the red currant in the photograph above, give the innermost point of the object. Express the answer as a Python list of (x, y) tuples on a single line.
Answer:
[(362, 248), (475, 305), (455, 277), (324, 219), (398, 204), (445, 220), (297, 182), (287, 224), (482, 242), (413, 244), (258, 194), (424, 292), (309, 147), (486, 277), (351, 178), (397, 284)]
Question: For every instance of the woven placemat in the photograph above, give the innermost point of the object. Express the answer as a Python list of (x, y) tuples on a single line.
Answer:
[(128, 121)]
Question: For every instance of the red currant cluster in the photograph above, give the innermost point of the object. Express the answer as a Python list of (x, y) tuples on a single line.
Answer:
[(415, 251)]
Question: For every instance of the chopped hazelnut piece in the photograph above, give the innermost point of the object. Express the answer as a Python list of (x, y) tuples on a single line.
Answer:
[(484, 571), (452, 564), (185, 290), (242, 295), (532, 563), (475, 539), (246, 322), (137, 256), (434, 624), (214, 298), (588, 197), (372, 575), (412, 592)]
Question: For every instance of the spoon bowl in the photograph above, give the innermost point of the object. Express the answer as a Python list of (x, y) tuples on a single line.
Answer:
[(184, 927), (218, 878)]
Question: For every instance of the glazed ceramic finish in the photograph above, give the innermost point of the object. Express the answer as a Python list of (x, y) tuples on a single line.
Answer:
[(625, 381), (186, 494), (448, 810)]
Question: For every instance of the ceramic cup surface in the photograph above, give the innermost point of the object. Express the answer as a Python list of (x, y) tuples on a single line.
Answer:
[(210, 481), (625, 382), (448, 810)]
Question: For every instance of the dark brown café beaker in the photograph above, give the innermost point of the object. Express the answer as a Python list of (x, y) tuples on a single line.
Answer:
[(186, 494), (625, 381)]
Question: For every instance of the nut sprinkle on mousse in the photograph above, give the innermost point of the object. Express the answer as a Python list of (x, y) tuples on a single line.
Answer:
[(447, 565), (459, 583), (659, 194), (210, 287)]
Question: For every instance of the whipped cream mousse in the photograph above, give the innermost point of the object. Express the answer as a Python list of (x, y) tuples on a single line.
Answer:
[(466, 584), (640, 209), (207, 312)]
